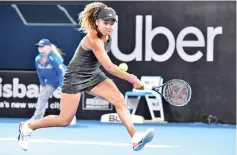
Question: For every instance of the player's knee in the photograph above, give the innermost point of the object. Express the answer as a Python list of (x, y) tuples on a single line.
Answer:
[(118, 100)]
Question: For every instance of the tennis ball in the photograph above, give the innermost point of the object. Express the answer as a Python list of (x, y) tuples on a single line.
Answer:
[(123, 67)]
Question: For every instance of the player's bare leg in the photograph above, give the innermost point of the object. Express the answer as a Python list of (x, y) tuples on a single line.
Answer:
[(69, 104), (108, 90)]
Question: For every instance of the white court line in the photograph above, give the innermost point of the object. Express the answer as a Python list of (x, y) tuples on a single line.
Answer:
[(87, 143)]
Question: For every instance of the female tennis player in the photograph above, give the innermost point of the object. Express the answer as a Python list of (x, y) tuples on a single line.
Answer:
[(83, 74), (50, 70)]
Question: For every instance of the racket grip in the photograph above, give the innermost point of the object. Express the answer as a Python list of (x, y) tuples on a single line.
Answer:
[(132, 79)]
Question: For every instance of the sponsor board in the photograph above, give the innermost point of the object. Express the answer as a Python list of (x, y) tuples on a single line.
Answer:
[(19, 91), (114, 118), (95, 103)]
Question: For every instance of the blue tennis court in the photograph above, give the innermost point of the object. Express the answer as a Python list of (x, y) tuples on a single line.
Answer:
[(94, 137)]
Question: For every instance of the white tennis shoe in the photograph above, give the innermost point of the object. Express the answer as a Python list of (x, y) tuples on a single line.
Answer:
[(74, 121), (140, 139), (24, 135)]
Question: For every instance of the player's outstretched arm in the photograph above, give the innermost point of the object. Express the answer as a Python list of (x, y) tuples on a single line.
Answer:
[(102, 56)]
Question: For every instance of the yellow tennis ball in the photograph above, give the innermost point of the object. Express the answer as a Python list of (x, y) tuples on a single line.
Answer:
[(123, 67)]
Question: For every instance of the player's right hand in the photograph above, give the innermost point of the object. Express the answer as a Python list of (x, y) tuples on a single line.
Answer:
[(138, 84)]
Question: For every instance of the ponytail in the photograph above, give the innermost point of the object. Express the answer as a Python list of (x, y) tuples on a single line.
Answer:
[(57, 51)]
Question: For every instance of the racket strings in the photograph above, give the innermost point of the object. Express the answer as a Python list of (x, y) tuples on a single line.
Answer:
[(177, 92)]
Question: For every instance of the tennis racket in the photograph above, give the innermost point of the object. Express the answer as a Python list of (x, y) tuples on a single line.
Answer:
[(177, 92)]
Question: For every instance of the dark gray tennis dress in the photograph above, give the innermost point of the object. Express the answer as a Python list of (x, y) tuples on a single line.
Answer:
[(83, 72)]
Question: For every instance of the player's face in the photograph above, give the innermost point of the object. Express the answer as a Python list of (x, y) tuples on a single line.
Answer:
[(106, 27)]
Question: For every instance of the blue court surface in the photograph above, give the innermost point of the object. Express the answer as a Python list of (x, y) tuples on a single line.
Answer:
[(95, 138)]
